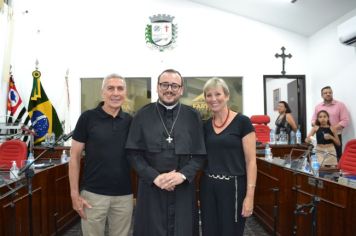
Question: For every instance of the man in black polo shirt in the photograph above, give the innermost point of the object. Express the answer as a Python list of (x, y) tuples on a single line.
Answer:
[(105, 191)]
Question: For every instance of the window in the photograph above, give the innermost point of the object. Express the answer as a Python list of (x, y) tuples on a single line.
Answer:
[(194, 96), (138, 93)]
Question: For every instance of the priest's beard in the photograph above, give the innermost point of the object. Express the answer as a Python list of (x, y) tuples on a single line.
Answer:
[(174, 102)]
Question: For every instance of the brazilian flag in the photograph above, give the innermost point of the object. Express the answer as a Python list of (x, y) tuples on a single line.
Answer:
[(44, 117)]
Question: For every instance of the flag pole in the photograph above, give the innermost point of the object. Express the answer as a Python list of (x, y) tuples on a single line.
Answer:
[(69, 129), (36, 64)]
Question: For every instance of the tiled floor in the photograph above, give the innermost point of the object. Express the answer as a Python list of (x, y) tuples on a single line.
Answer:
[(252, 228)]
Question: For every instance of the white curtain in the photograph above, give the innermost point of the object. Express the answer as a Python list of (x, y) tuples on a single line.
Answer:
[(6, 33)]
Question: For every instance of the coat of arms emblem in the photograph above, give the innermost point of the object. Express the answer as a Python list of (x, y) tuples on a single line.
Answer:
[(161, 33)]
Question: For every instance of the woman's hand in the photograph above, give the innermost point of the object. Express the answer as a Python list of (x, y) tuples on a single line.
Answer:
[(247, 207)]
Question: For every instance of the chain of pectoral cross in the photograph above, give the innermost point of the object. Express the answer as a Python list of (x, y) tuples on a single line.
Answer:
[(169, 138)]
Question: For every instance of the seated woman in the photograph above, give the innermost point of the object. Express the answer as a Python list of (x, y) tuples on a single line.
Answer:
[(326, 137), (285, 121)]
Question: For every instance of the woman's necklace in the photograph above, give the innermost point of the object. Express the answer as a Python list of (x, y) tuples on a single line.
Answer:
[(169, 138), (222, 125)]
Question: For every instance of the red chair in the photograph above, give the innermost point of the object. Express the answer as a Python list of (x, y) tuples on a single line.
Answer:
[(261, 128), (12, 150), (347, 161)]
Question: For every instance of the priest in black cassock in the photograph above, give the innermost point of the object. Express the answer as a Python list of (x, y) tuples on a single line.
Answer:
[(166, 148)]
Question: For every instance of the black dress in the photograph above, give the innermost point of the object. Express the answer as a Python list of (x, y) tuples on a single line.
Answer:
[(223, 186), (160, 212), (320, 135), (282, 125)]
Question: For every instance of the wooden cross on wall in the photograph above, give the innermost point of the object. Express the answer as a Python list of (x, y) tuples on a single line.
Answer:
[(283, 56)]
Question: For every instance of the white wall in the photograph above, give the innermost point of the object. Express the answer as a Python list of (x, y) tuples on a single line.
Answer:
[(334, 64), (95, 38)]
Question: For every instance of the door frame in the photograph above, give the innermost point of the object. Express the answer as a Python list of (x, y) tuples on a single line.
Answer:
[(301, 99)]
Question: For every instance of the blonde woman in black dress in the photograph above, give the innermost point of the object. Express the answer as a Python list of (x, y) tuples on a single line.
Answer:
[(229, 180)]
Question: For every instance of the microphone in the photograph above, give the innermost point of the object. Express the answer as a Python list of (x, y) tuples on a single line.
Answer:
[(61, 137), (68, 136), (28, 130), (309, 149)]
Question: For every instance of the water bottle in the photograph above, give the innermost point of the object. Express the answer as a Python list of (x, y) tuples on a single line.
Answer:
[(315, 166), (298, 136), (14, 171), (305, 165), (31, 159), (283, 138), (47, 140), (52, 139), (272, 137), (292, 137), (268, 153), (64, 157)]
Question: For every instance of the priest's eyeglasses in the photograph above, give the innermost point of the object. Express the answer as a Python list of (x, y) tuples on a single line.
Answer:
[(174, 87)]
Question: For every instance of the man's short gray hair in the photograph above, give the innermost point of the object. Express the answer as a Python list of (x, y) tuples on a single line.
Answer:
[(112, 76)]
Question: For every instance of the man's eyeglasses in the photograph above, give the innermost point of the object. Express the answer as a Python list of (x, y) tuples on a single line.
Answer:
[(165, 86)]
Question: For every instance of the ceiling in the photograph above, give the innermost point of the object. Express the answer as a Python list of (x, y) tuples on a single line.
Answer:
[(304, 17)]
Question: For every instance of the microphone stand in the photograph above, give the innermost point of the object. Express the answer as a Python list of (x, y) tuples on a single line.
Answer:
[(29, 173), (312, 206), (300, 210), (275, 210)]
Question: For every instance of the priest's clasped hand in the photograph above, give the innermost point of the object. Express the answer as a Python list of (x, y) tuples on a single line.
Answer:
[(168, 181)]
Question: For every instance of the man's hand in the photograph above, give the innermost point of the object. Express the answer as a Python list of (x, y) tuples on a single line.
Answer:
[(79, 204), (169, 180)]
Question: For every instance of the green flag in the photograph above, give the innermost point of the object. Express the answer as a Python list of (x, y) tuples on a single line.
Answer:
[(44, 117)]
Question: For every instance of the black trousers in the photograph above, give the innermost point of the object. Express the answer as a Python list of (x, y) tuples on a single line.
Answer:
[(218, 206), (339, 148)]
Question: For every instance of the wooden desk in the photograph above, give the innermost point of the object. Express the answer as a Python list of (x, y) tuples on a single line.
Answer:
[(51, 203), (54, 152), (279, 190), (280, 150)]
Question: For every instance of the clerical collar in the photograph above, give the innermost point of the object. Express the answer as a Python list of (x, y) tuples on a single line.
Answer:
[(168, 107)]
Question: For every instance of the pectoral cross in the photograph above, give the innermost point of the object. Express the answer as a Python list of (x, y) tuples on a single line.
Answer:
[(283, 56), (169, 139)]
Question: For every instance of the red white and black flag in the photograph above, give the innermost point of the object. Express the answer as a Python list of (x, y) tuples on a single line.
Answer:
[(16, 111)]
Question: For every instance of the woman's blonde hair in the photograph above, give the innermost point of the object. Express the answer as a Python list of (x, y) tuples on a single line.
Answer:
[(216, 82)]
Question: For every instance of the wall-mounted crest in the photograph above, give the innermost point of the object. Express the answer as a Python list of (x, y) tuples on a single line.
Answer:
[(161, 34)]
